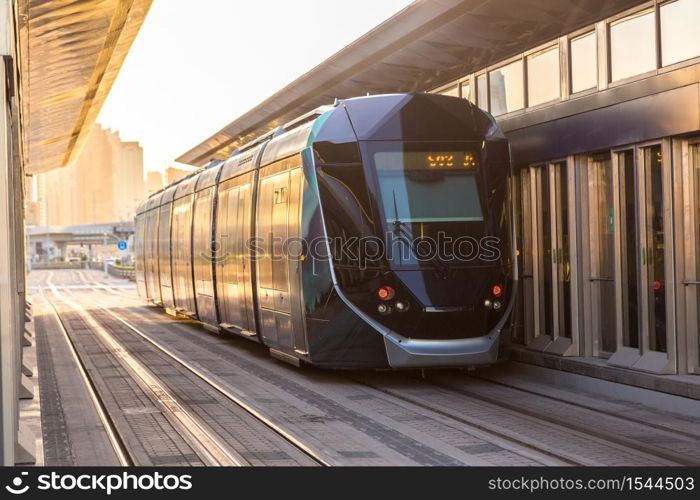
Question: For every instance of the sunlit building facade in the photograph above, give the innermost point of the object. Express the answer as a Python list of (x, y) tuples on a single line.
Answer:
[(154, 181), (173, 174), (604, 125), (104, 184)]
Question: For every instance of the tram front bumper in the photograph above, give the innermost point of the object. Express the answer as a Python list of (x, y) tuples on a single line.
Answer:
[(416, 353)]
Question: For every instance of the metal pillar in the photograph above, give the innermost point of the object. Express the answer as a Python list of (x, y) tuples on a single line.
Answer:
[(14, 443)]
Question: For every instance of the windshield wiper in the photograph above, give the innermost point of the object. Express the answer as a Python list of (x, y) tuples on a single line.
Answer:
[(401, 229)]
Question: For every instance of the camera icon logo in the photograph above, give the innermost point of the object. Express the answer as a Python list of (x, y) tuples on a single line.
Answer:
[(16, 488)]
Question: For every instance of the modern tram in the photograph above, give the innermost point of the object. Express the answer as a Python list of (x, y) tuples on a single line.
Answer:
[(373, 233)]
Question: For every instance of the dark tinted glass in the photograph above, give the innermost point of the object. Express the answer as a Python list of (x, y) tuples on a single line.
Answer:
[(656, 248), (630, 250)]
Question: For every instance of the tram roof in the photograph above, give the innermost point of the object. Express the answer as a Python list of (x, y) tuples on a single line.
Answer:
[(70, 52), (427, 44)]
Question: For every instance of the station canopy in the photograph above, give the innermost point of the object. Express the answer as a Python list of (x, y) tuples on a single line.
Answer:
[(70, 54), (427, 44)]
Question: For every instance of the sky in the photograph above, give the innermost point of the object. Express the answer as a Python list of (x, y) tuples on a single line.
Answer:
[(196, 66)]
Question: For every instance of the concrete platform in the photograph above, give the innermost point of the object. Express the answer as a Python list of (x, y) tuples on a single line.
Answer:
[(72, 432), (30, 409), (687, 386)]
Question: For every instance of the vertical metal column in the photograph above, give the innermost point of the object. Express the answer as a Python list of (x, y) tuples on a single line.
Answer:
[(9, 338), (15, 445)]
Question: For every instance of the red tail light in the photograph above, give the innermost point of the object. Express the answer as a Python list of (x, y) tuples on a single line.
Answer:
[(385, 293), (497, 290)]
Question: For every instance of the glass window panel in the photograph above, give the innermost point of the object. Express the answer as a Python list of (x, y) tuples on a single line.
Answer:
[(632, 46), (564, 255), (543, 76), (695, 173), (452, 91), (584, 62), (602, 224), (630, 249), (466, 91), (423, 175), (656, 248), (680, 34), (482, 93), (546, 278), (506, 88)]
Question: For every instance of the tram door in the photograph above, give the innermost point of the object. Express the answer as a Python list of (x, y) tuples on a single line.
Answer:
[(690, 278), (645, 339), (279, 280), (551, 258), (233, 265)]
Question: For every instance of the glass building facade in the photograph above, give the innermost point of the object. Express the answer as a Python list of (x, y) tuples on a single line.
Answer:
[(603, 123)]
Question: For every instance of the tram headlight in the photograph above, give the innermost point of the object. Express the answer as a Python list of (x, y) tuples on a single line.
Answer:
[(401, 306), (497, 305), (384, 309), (488, 304)]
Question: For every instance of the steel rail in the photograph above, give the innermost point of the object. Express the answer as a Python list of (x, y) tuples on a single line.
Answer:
[(289, 437), (209, 447)]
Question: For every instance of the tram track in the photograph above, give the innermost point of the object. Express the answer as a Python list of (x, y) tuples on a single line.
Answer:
[(207, 448), (224, 454), (496, 434), (483, 435), (656, 455), (610, 448), (611, 427), (102, 286), (586, 407), (120, 450)]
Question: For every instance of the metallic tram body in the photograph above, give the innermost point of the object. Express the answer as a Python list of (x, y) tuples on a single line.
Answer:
[(315, 239)]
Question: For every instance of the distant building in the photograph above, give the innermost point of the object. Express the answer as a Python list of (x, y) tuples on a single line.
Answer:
[(105, 183), (129, 188), (172, 174), (154, 181)]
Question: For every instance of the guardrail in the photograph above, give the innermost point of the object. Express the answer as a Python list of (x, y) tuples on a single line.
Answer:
[(57, 265), (128, 272)]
